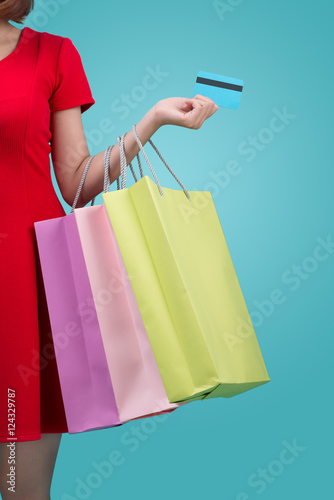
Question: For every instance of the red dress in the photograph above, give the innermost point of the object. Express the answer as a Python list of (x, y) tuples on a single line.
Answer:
[(44, 73)]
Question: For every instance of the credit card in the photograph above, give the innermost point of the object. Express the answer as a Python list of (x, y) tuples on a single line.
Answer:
[(223, 90)]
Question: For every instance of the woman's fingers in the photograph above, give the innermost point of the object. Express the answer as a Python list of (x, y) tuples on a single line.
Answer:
[(203, 108), (203, 98), (193, 117), (206, 100)]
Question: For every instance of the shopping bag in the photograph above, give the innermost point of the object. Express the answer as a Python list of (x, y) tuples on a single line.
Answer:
[(131, 366), (85, 382), (185, 284), (136, 380)]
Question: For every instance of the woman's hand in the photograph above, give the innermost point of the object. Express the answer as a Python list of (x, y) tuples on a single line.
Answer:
[(190, 113)]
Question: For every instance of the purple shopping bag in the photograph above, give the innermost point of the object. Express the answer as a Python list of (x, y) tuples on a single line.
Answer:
[(86, 386)]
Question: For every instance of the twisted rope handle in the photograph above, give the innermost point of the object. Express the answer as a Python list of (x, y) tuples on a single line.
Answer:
[(168, 167), (123, 163), (139, 165), (106, 180), (81, 184), (163, 160), (133, 172), (147, 160)]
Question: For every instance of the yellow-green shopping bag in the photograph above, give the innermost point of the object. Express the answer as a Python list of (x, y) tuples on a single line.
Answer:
[(187, 291)]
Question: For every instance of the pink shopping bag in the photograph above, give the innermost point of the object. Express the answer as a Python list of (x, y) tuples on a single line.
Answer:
[(138, 387)]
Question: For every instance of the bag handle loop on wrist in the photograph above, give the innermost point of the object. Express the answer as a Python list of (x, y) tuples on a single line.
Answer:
[(150, 166), (123, 164), (106, 179)]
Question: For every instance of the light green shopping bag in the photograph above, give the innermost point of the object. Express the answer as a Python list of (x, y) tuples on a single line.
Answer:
[(184, 281)]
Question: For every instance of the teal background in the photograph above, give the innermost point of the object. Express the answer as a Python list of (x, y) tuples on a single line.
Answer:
[(272, 213)]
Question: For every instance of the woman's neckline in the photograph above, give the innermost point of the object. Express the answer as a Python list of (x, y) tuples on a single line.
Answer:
[(18, 45)]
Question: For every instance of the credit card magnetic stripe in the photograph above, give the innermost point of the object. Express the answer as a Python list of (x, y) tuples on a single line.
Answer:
[(217, 83)]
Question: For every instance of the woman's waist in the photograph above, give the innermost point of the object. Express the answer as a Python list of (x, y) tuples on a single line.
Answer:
[(25, 206)]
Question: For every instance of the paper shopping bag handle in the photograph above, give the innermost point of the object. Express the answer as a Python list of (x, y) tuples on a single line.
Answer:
[(106, 180), (123, 163)]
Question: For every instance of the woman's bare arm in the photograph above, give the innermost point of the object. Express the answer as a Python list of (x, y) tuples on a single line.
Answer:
[(69, 149)]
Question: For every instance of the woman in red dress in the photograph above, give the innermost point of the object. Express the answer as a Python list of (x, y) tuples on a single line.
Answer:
[(43, 91)]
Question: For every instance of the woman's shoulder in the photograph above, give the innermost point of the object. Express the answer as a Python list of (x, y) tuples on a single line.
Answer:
[(45, 38)]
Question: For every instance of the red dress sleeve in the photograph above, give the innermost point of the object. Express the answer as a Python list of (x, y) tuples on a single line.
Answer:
[(71, 85)]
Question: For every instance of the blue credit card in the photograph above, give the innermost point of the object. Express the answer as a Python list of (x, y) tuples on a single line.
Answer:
[(223, 90)]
